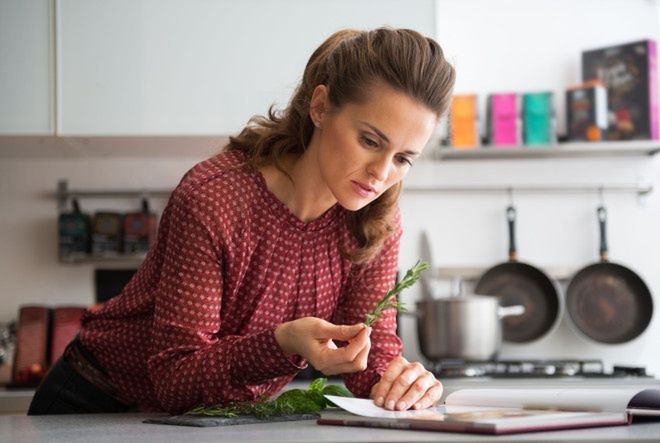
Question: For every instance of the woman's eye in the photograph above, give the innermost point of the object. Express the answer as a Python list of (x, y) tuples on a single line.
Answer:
[(404, 161), (369, 142)]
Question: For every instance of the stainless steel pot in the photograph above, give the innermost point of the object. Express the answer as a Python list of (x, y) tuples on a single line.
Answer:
[(467, 327)]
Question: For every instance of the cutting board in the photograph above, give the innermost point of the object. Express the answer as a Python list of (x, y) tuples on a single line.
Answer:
[(203, 421)]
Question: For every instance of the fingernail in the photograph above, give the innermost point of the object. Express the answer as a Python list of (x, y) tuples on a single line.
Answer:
[(379, 401), (390, 404), (402, 405)]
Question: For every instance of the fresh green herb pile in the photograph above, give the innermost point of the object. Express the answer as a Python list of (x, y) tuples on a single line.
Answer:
[(389, 300), (294, 401)]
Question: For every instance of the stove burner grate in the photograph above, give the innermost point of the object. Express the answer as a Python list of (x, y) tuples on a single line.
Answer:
[(530, 368)]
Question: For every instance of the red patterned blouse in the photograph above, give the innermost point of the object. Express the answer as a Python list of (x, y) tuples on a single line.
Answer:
[(231, 262)]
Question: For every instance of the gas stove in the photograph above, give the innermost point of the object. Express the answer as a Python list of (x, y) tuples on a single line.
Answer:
[(532, 368)]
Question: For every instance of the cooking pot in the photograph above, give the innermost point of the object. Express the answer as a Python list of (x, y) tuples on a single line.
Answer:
[(467, 327)]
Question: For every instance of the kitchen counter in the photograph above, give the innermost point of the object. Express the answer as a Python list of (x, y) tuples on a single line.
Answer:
[(15, 401), (18, 401), (128, 428)]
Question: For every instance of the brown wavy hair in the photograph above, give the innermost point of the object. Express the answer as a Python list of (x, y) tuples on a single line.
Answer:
[(348, 63)]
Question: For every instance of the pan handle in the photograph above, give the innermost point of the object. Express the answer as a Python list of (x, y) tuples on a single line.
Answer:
[(601, 212), (509, 311), (511, 218)]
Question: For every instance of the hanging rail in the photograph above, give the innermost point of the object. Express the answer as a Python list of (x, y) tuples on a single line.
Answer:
[(63, 193), (640, 190)]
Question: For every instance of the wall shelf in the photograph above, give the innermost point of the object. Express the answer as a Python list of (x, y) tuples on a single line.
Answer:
[(641, 189), (629, 148), (127, 259)]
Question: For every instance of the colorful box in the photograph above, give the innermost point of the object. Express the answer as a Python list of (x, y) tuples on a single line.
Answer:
[(463, 122), (629, 73), (586, 112), (504, 120), (538, 119)]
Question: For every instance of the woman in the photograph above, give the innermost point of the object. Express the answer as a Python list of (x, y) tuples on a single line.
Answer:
[(270, 253)]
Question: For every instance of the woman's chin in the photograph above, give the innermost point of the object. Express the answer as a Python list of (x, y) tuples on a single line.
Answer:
[(354, 204)]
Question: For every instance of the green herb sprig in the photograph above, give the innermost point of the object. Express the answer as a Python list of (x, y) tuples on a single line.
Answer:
[(294, 401), (390, 300)]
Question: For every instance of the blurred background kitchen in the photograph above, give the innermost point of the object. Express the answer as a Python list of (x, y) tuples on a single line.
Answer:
[(109, 103)]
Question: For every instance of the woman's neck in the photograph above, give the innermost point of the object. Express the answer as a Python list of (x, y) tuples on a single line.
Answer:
[(308, 197)]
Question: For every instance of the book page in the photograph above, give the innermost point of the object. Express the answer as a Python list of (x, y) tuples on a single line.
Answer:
[(579, 399), (508, 418), (367, 408)]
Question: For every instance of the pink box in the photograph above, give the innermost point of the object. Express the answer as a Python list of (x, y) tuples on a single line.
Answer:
[(504, 120)]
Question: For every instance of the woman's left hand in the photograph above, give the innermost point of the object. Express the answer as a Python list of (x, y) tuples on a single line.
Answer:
[(406, 385)]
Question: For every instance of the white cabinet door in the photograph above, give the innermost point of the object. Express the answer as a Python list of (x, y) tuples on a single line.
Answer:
[(25, 67), (194, 67)]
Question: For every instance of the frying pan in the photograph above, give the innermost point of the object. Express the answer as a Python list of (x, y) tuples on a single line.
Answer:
[(608, 302), (518, 283)]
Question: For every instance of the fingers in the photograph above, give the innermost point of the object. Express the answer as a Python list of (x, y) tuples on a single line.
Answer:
[(312, 338), (350, 358), (381, 389), (341, 332), (356, 364), (417, 390), (401, 385), (431, 397), (406, 385)]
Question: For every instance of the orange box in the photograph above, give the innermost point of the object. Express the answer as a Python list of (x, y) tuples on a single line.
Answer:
[(463, 122)]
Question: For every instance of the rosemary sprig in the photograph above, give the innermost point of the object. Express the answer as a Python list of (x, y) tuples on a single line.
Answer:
[(294, 401), (390, 300)]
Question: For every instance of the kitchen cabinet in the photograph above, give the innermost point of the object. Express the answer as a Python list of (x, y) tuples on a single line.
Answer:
[(196, 68), (26, 107)]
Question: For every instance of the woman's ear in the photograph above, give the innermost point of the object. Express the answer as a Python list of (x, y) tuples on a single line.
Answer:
[(318, 105)]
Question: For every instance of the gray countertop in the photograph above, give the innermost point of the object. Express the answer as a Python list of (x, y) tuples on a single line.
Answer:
[(17, 401), (127, 428)]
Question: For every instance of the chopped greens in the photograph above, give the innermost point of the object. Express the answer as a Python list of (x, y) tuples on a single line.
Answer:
[(294, 401)]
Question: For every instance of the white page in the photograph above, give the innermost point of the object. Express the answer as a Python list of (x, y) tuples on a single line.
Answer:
[(484, 415), (367, 408), (612, 400)]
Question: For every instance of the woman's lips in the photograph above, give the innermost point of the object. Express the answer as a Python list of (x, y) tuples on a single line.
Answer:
[(362, 190)]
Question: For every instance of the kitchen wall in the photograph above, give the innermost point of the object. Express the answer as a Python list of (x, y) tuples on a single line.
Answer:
[(496, 46), (516, 45)]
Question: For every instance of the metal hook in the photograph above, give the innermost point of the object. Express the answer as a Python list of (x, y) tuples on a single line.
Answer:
[(510, 192)]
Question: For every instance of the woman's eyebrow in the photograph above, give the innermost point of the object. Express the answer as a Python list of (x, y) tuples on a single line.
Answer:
[(377, 131), (382, 135)]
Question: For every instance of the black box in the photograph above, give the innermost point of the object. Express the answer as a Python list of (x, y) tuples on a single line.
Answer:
[(586, 112), (630, 75)]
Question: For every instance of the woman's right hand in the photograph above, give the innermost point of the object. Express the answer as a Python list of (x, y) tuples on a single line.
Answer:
[(312, 338)]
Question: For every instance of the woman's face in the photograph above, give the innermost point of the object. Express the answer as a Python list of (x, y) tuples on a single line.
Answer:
[(365, 148)]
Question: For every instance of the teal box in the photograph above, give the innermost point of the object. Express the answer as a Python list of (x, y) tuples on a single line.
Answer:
[(538, 119)]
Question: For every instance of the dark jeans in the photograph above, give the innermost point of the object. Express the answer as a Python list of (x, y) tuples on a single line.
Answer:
[(64, 391)]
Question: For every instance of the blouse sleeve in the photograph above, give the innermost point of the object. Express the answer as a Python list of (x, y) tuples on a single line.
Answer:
[(366, 286), (188, 362)]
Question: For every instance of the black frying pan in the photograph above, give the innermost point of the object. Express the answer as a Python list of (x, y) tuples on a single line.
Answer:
[(606, 301), (517, 283)]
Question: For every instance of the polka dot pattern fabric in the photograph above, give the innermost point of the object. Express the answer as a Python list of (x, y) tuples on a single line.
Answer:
[(196, 323)]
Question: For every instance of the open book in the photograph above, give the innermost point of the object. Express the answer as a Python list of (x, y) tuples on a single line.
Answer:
[(505, 411)]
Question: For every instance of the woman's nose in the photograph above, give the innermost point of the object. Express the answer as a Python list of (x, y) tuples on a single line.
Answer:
[(379, 167)]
